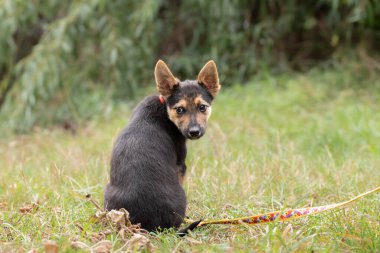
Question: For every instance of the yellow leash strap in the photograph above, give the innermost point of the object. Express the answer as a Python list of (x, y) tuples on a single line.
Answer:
[(283, 215)]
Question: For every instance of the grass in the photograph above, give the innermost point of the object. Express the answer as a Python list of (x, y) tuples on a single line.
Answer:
[(279, 142)]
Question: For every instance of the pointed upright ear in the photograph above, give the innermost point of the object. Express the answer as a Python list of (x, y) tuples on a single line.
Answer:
[(165, 80), (208, 76)]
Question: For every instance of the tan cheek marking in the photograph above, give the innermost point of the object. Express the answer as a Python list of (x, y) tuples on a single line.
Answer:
[(172, 114), (180, 121), (185, 121), (202, 118)]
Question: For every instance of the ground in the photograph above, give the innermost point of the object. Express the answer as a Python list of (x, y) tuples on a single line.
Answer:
[(277, 142)]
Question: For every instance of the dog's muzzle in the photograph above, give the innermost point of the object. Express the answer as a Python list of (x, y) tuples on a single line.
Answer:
[(194, 132)]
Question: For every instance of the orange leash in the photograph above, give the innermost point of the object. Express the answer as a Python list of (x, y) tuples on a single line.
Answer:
[(284, 215)]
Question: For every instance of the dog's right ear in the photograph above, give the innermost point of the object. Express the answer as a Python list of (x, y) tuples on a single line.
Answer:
[(165, 80)]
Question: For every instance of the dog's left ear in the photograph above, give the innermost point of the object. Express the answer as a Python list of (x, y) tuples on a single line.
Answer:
[(208, 76)]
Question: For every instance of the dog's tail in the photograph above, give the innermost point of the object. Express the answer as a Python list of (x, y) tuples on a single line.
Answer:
[(186, 230)]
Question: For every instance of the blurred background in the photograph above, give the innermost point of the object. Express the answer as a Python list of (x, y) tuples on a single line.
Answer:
[(63, 62)]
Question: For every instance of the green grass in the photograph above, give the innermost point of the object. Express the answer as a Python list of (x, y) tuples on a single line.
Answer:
[(279, 142)]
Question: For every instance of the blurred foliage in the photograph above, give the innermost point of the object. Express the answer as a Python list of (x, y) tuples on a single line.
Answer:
[(62, 61)]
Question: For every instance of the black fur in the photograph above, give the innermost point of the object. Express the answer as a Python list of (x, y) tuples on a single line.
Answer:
[(144, 178)]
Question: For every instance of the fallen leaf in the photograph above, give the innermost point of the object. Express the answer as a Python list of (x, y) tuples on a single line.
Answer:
[(102, 247), (124, 225), (137, 243), (29, 208), (127, 232), (50, 246), (79, 245), (117, 221), (120, 218), (3, 205), (96, 237)]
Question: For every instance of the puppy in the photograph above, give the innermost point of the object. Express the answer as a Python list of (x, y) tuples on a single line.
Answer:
[(148, 159)]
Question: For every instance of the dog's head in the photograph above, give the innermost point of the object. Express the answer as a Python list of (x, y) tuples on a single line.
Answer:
[(188, 102)]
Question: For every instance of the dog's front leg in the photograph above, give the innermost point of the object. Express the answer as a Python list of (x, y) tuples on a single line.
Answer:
[(181, 165), (181, 170)]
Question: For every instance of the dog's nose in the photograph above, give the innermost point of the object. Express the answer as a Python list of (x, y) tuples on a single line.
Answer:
[(194, 132)]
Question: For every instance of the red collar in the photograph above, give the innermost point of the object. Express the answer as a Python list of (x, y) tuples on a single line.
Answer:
[(162, 100)]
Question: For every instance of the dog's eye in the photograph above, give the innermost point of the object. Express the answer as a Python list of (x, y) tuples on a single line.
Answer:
[(180, 110), (202, 108)]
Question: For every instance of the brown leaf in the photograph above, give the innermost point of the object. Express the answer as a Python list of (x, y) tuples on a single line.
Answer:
[(120, 218), (138, 242), (115, 221), (127, 232), (29, 208), (50, 246), (102, 247), (79, 245), (3, 205), (96, 237)]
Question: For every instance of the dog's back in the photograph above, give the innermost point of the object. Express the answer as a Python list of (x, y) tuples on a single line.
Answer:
[(144, 176)]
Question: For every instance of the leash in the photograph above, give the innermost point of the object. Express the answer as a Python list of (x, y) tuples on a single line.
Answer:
[(282, 215)]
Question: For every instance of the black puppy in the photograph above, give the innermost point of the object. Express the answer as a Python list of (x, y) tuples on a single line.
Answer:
[(148, 159)]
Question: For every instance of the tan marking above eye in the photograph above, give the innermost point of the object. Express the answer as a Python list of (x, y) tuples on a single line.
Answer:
[(181, 103), (199, 100)]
